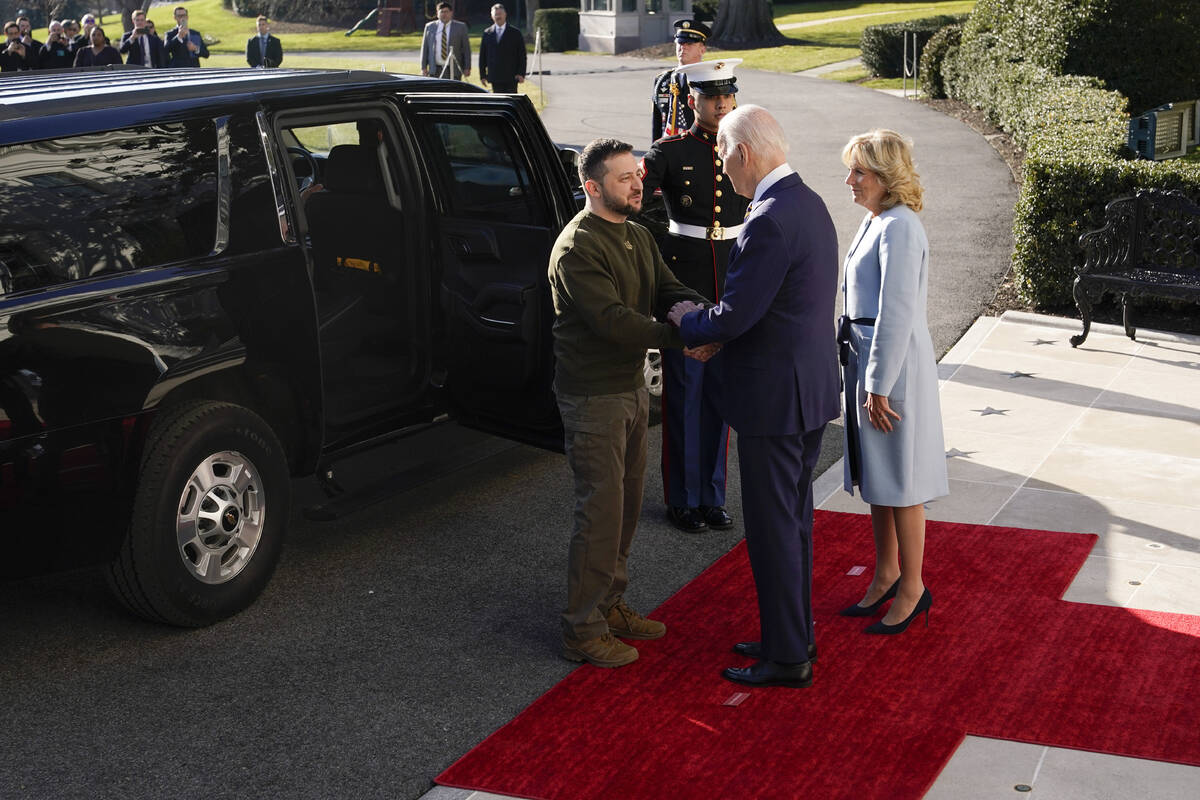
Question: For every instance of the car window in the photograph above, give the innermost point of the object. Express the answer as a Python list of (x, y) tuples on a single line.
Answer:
[(100, 203), (486, 171), (323, 138)]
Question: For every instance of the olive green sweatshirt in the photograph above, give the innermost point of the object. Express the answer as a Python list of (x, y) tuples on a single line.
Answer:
[(608, 280)]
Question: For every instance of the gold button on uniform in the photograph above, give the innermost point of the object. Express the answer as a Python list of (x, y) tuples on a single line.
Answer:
[(716, 224), (718, 192), (717, 162), (717, 209), (719, 178)]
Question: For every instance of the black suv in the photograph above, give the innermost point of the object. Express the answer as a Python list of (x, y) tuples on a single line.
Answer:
[(212, 282)]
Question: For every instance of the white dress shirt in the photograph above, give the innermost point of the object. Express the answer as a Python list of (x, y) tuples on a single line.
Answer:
[(770, 179)]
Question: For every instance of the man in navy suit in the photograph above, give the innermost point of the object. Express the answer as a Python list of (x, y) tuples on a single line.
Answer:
[(263, 49), (140, 46), (502, 54), (779, 366)]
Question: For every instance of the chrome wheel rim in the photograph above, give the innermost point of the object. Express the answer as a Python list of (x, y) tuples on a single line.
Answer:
[(222, 510), (652, 369)]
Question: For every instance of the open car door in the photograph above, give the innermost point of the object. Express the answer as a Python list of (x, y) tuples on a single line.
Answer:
[(501, 198)]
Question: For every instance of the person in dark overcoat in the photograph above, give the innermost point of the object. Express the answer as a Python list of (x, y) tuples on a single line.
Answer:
[(502, 54)]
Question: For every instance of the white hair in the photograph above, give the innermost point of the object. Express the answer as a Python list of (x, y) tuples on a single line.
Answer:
[(754, 127)]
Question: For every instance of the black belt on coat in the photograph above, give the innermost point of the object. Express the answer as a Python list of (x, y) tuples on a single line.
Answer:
[(853, 452), (843, 335)]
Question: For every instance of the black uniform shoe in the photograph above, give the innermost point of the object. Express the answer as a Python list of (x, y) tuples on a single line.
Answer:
[(688, 520), (716, 517), (772, 673), (754, 650)]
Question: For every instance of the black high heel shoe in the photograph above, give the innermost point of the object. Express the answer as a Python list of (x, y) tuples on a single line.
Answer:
[(922, 605), (866, 611)]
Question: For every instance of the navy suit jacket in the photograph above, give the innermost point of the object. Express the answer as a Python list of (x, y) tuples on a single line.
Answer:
[(133, 50), (776, 317), (502, 61)]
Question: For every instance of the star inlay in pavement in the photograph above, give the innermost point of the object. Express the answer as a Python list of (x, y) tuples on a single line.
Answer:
[(954, 452), (1037, 342), (1021, 374), (983, 412)]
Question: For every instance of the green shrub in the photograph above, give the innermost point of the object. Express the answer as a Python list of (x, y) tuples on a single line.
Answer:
[(883, 45), (932, 56), (1145, 49), (316, 12), (1074, 133), (559, 27)]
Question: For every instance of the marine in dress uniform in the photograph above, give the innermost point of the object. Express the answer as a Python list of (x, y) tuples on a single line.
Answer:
[(672, 115), (705, 216)]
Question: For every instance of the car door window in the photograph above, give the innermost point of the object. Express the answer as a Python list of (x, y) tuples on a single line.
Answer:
[(100, 203), (486, 173)]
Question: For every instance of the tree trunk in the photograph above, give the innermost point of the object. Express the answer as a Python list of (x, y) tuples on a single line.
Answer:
[(746, 23)]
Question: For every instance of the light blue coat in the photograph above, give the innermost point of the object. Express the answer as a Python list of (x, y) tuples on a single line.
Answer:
[(886, 276)]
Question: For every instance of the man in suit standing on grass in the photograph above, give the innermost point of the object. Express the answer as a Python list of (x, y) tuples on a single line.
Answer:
[(263, 49), (502, 54), (775, 319), (445, 46)]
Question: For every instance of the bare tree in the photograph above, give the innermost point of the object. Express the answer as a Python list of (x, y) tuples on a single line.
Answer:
[(746, 23)]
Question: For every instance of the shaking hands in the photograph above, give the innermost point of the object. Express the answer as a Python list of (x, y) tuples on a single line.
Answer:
[(703, 352), (677, 312)]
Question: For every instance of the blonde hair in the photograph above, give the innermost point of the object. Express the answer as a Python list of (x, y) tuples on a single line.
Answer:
[(888, 155)]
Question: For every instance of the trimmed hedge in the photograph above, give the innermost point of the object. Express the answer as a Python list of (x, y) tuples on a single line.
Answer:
[(1073, 131), (1146, 49), (559, 27), (933, 54), (883, 45)]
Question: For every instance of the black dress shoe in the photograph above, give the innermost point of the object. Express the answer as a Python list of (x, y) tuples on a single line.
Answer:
[(923, 605), (867, 611), (754, 650), (772, 673), (716, 517), (688, 520)]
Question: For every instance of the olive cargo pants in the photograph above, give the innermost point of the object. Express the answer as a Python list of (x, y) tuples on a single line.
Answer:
[(605, 437)]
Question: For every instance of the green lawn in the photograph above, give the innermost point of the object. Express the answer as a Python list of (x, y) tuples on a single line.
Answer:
[(834, 41), (807, 12), (231, 31), (813, 46), (350, 61)]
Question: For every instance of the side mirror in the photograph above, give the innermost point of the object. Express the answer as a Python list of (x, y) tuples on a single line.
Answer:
[(569, 158)]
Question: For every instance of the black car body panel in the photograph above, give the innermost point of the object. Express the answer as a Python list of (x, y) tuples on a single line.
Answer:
[(157, 249)]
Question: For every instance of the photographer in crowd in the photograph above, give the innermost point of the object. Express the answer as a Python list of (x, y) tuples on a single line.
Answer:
[(141, 47), (15, 56), (185, 46), (56, 52)]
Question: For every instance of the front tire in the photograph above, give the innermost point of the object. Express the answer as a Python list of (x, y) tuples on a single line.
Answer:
[(209, 516)]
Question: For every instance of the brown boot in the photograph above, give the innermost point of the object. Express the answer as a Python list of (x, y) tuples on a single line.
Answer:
[(623, 621), (603, 651)]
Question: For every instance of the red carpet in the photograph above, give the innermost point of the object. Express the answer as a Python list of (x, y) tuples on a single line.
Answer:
[(1003, 657)]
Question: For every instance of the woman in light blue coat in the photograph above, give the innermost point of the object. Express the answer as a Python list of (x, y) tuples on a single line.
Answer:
[(895, 450)]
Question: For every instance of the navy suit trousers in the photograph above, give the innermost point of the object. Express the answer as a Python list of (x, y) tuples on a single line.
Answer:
[(777, 505), (695, 437)]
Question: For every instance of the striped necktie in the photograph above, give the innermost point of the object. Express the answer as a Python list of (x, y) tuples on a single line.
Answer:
[(445, 41)]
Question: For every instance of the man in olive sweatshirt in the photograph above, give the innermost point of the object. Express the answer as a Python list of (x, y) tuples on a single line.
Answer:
[(608, 280)]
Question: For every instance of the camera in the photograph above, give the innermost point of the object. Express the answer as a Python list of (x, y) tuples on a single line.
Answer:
[(139, 30)]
